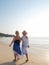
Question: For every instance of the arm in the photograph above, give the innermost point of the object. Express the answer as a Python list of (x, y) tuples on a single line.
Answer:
[(28, 42), (20, 39), (28, 46)]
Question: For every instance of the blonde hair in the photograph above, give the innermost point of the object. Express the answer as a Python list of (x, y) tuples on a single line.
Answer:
[(24, 32), (17, 32)]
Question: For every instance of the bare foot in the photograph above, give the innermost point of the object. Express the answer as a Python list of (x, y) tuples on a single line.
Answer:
[(14, 60), (27, 60), (18, 59)]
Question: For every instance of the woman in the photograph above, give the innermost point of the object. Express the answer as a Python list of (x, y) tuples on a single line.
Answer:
[(25, 44), (16, 46)]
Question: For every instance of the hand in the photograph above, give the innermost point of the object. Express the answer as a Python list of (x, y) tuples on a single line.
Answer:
[(28, 46), (10, 45)]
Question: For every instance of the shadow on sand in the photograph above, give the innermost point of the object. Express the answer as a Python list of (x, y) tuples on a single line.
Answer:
[(12, 63), (23, 63), (8, 63)]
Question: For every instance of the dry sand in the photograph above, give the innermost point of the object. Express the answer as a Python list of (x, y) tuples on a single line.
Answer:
[(6, 57)]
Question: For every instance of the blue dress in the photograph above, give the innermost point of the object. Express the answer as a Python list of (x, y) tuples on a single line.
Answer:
[(16, 46)]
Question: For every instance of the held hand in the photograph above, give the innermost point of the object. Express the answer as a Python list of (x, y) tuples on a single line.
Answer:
[(28, 46)]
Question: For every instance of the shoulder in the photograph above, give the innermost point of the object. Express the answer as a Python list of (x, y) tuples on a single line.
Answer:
[(27, 37), (19, 37), (15, 37)]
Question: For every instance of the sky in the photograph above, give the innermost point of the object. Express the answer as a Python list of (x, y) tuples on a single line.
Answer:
[(29, 15)]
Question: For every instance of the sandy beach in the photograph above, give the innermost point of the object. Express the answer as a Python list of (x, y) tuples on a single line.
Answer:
[(6, 57)]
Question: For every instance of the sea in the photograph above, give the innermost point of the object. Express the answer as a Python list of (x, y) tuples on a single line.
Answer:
[(40, 42)]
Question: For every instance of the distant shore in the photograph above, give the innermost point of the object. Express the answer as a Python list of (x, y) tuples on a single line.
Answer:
[(6, 35)]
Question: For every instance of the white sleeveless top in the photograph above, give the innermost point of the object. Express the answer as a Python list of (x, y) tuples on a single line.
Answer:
[(24, 41)]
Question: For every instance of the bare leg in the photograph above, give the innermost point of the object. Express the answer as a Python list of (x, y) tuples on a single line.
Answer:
[(26, 57), (14, 57), (18, 57)]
